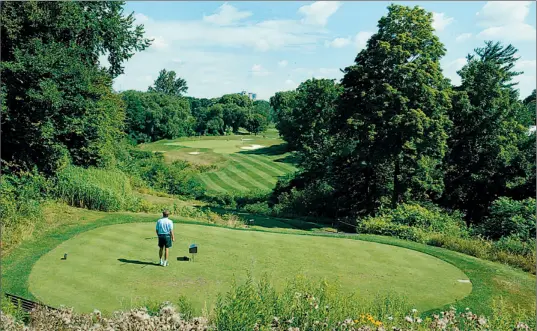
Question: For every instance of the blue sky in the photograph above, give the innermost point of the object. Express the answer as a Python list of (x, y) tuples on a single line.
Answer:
[(265, 47)]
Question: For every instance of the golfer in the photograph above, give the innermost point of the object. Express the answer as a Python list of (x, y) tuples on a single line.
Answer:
[(165, 236)]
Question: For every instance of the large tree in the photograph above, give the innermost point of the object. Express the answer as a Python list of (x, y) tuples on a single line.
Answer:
[(393, 115), (57, 101), (490, 151), (283, 104), (167, 82), (154, 116)]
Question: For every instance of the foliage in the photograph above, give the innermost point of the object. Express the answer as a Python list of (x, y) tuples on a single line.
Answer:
[(57, 103), (256, 123), (508, 217), (97, 189), (394, 116), (176, 178), (155, 116), (167, 83), (21, 198), (490, 152), (283, 104), (430, 225)]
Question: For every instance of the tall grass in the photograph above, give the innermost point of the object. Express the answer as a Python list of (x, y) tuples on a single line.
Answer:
[(21, 198), (97, 189), (256, 305)]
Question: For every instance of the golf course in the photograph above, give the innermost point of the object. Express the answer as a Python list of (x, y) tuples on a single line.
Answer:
[(118, 264), (243, 162), (278, 166)]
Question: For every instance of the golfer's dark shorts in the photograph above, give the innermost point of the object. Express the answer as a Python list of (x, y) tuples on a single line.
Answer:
[(164, 240)]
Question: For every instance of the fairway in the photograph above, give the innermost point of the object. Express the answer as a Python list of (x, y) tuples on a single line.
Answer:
[(244, 162), (112, 267)]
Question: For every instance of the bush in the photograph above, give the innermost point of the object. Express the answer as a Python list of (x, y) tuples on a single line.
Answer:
[(235, 200), (509, 217), (385, 227), (97, 189), (430, 218), (21, 197), (433, 226)]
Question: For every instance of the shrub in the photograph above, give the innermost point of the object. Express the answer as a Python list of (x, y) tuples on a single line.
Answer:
[(385, 227), (260, 208), (430, 218), (21, 197), (97, 189), (509, 217), (301, 305)]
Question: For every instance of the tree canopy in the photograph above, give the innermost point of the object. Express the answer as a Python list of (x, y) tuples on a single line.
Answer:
[(167, 82), (57, 101)]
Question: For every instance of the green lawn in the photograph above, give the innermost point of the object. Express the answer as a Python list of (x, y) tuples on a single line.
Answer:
[(355, 259), (239, 169), (113, 266)]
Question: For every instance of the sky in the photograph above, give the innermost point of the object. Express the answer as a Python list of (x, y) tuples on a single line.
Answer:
[(266, 46)]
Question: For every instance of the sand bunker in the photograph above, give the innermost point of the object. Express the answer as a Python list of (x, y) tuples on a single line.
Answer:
[(194, 153), (252, 147)]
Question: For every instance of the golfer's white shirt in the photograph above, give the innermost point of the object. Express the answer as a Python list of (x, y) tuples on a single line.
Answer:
[(164, 226)]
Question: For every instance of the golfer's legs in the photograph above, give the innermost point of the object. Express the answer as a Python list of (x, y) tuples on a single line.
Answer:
[(166, 256), (160, 252)]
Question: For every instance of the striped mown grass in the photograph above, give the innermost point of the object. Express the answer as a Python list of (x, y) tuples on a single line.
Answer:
[(97, 189), (244, 172)]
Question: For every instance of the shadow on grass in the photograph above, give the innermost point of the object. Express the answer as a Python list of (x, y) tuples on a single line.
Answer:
[(268, 222), (273, 150), (137, 262)]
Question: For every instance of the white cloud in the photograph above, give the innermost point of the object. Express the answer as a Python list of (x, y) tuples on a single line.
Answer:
[(440, 21), (505, 20), (450, 70), (282, 63), (289, 82), (140, 18), (258, 71), (515, 32), (226, 15), (463, 37), (318, 12), (338, 42), (498, 13), (361, 39), (159, 43), (525, 65)]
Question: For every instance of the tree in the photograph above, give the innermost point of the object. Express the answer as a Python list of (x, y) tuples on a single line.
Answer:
[(392, 115), (283, 104), (263, 107), (490, 154), (153, 116), (256, 123), (167, 83), (57, 102)]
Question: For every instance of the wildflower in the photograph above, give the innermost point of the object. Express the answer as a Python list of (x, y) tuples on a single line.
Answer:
[(414, 310), (482, 320), (522, 326), (419, 320), (390, 318), (467, 309), (409, 319)]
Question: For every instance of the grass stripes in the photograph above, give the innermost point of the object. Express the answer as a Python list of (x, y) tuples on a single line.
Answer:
[(244, 173)]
